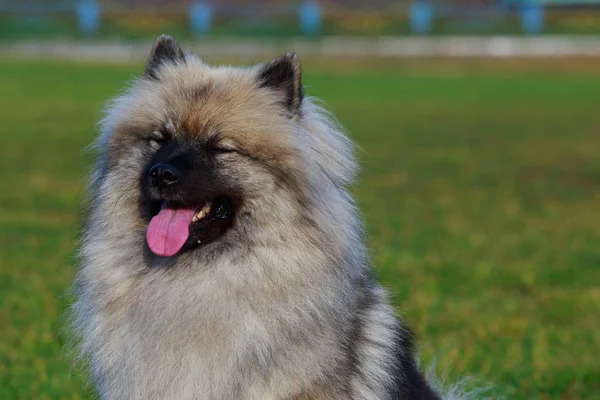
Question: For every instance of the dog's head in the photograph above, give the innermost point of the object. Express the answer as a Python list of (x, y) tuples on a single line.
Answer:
[(208, 150)]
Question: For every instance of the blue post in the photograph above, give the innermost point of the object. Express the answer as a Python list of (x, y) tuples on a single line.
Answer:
[(309, 16), (532, 17), (421, 17), (201, 14), (88, 16)]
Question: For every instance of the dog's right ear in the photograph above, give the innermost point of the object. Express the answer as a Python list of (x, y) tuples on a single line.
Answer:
[(284, 76), (165, 50)]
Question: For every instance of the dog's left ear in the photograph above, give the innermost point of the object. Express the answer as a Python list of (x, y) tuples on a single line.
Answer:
[(165, 50), (284, 75)]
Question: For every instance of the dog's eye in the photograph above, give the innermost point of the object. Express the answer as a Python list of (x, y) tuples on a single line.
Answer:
[(222, 150), (217, 145)]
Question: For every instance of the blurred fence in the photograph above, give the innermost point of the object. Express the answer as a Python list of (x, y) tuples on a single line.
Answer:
[(132, 19)]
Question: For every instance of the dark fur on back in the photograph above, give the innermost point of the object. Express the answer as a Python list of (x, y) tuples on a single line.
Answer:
[(280, 305)]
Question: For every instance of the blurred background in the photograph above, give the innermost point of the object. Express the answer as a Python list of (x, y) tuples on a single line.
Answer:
[(134, 19), (479, 131)]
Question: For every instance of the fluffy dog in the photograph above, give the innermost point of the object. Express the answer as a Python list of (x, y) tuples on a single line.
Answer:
[(223, 257)]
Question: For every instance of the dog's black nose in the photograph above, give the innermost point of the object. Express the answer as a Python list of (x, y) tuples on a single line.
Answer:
[(163, 175)]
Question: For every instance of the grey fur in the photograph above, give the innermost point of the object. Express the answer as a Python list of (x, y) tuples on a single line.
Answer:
[(283, 306)]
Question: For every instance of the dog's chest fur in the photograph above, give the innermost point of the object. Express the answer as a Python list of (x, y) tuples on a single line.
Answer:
[(226, 331)]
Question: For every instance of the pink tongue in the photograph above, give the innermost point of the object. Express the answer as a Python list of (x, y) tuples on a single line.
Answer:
[(169, 230)]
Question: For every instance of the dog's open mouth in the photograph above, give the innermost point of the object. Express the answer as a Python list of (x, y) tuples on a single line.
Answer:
[(177, 226)]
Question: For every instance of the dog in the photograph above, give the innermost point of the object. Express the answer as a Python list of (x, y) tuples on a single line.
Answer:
[(222, 256)]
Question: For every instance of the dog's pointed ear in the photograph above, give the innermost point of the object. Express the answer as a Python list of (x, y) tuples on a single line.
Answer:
[(165, 50), (284, 75)]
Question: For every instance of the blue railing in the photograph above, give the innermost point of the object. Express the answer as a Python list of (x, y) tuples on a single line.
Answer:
[(421, 15)]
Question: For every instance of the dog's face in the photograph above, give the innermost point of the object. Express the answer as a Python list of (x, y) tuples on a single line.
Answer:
[(199, 146)]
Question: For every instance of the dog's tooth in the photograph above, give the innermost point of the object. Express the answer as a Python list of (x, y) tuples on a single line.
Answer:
[(198, 216), (206, 208)]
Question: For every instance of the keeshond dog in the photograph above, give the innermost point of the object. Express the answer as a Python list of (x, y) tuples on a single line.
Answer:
[(223, 257)]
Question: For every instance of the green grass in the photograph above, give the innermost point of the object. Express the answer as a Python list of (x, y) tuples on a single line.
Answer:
[(481, 191)]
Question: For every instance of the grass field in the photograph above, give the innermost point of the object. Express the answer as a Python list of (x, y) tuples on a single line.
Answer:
[(481, 190)]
